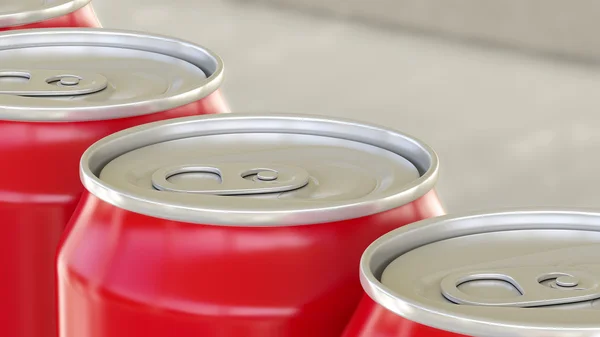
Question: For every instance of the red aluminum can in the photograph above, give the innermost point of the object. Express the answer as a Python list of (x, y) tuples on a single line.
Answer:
[(528, 272), (26, 14), (235, 225), (60, 91)]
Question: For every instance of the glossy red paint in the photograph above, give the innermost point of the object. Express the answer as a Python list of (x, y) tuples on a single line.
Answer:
[(84, 17), (39, 190), (123, 274), (373, 320)]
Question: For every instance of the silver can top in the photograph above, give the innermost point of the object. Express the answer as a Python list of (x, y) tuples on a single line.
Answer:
[(505, 274), (22, 12), (59, 75), (258, 170)]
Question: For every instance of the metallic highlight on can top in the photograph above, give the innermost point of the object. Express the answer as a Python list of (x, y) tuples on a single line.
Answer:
[(511, 273), (66, 74), (21, 12), (259, 170)]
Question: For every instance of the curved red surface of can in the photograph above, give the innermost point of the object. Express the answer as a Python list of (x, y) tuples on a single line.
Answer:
[(123, 274), (373, 320), (39, 190), (84, 17)]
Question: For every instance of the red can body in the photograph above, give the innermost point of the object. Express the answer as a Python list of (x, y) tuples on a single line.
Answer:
[(123, 274), (373, 320), (39, 190), (83, 17)]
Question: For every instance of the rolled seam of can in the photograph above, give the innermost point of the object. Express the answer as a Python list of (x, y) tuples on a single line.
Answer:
[(254, 213), (41, 12), (378, 256), (18, 108)]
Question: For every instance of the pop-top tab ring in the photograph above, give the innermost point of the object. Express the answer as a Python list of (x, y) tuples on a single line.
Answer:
[(236, 178), (46, 83), (564, 286)]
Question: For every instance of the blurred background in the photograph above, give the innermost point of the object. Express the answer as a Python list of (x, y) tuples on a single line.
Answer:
[(504, 91)]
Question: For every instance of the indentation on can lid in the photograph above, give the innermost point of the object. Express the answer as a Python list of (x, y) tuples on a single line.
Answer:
[(567, 281), (69, 80), (267, 175)]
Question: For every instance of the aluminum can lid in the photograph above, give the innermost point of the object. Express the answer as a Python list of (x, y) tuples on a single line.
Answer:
[(22, 12), (59, 75), (259, 170), (510, 273)]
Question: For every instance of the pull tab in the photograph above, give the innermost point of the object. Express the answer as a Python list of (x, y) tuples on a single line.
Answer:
[(236, 179), (52, 83), (565, 286)]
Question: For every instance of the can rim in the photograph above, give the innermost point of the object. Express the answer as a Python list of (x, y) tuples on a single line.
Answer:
[(385, 249), (195, 54), (103, 151), (51, 11)]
